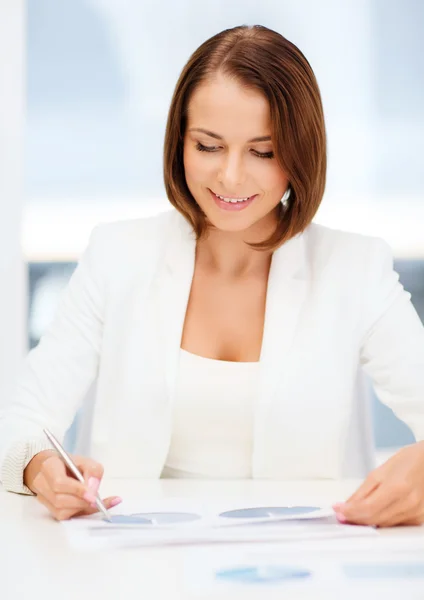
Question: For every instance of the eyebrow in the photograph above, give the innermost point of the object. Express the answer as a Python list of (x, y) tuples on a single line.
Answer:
[(262, 138)]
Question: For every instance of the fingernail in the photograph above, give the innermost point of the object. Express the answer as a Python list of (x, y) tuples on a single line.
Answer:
[(341, 518), (115, 502), (89, 497), (93, 485)]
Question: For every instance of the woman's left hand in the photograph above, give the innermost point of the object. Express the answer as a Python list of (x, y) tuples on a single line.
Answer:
[(393, 494)]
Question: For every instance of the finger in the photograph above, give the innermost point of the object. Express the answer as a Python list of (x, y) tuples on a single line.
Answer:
[(408, 511), (368, 486), (54, 471), (389, 514), (62, 501), (92, 472), (89, 467), (416, 521), (402, 518), (58, 514), (64, 513), (366, 511), (108, 503), (394, 519)]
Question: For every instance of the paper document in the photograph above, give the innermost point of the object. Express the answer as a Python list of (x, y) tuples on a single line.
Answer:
[(186, 521)]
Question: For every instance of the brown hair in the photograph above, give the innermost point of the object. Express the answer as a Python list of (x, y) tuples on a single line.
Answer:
[(262, 59)]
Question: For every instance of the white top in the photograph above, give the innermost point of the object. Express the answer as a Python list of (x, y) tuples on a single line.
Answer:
[(212, 425)]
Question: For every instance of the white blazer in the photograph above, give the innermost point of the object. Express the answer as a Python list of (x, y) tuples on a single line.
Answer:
[(334, 304)]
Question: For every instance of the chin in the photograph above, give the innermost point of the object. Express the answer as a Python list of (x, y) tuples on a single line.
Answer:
[(231, 225)]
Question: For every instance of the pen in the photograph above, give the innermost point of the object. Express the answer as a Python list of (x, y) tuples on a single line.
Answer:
[(74, 469)]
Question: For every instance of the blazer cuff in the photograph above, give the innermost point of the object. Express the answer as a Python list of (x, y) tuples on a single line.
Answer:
[(15, 462)]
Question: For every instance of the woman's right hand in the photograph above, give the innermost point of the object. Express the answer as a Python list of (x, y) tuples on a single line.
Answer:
[(64, 496)]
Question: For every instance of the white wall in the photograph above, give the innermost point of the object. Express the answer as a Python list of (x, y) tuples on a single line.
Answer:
[(12, 272)]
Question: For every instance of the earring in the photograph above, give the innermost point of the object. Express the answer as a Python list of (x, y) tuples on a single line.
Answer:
[(285, 198)]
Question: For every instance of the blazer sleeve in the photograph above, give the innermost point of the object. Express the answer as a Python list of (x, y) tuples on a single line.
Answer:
[(57, 374), (392, 349)]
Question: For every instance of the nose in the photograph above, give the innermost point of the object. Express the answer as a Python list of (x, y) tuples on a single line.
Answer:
[(231, 173)]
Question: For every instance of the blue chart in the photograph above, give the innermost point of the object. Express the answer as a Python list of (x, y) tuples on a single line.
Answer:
[(128, 520), (266, 511), (262, 574), (174, 518), (385, 570), (156, 518)]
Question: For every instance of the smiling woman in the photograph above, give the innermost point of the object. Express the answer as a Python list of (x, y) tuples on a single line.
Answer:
[(246, 117), (228, 338)]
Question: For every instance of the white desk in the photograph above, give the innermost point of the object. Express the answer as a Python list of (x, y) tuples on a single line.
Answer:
[(36, 562)]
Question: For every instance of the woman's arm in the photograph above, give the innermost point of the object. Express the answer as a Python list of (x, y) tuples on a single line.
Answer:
[(392, 350), (57, 373), (392, 353)]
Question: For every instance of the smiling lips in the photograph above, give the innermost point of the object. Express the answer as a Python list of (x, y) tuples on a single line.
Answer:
[(232, 204)]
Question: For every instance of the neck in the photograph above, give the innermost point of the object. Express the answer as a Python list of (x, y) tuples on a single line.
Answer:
[(228, 253)]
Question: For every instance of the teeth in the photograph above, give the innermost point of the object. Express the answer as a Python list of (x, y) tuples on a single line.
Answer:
[(232, 200)]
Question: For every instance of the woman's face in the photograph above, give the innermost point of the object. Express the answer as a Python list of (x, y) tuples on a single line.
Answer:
[(228, 153)]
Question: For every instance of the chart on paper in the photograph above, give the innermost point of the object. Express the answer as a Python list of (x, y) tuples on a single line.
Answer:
[(184, 521)]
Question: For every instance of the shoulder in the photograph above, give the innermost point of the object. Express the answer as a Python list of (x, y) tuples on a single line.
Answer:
[(352, 266), (132, 239), (326, 246), (135, 231), (120, 250)]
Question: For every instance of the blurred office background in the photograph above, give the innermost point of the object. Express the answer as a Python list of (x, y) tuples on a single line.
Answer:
[(99, 78)]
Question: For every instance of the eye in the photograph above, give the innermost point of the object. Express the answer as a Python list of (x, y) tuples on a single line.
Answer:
[(201, 148), (263, 154)]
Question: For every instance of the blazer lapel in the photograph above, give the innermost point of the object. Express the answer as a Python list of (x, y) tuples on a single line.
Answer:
[(173, 285), (287, 286)]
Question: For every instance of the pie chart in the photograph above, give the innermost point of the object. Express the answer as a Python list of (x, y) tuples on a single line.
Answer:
[(262, 512), (155, 518), (262, 574)]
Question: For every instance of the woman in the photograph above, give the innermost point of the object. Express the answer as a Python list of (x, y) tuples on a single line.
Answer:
[(226, 336)]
